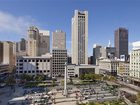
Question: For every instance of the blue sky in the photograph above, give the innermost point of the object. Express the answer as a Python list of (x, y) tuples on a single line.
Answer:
[(104, 17)]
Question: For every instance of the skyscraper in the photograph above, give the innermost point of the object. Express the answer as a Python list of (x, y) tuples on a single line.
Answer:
[(80, 37), (7, 54), (58, 39), (38, 42), (121, 42), (44, 42), (59, 53), (32, 42)]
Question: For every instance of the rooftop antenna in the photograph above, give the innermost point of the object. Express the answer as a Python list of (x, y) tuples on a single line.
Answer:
[(109, 44)]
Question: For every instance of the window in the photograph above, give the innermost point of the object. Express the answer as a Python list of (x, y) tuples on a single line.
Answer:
[(20, 71), (25, 71), (29, 71), (48, 60)]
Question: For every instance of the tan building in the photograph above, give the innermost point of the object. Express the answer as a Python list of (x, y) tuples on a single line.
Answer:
[(123, 69), (38, 42), (32, 48), (58, 39), (80, 37), (7, 54)]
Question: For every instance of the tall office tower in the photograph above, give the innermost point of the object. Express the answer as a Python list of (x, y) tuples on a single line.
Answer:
[(135, 61), (59, 53), (7, 53), (22, 44), (80, 37), (121, 42), (33, 33), (58, 39), (44, 42), (32, 42), (96, 53)]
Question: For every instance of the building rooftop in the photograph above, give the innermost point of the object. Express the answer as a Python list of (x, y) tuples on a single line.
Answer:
[(136, 45)]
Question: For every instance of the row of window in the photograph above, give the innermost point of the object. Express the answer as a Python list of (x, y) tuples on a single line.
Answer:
[(33, 71), (38, 60)]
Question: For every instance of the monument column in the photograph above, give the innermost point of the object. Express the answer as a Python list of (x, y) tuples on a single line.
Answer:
[(65, 80)]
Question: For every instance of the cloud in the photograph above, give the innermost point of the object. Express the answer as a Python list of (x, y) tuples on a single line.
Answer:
[(14, 24)]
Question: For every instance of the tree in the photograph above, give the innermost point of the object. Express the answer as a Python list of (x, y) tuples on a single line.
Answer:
[(112, 78), (88, 76), (97, 77), (71, 80), (62, 82), (25, 77), (53, 82), (39, 78), (138, 98), (82, 76), (10, 80)]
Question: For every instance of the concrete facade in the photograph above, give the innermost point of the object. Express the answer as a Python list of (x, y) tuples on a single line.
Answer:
[(34, 65), (44, 42), (59, 58), (80, 37), (58, 39), (108, 66), (4, 69), (77, 70)]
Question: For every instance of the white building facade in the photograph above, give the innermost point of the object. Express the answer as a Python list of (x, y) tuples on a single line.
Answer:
[(135, 61), (77, 70), (34, 65)]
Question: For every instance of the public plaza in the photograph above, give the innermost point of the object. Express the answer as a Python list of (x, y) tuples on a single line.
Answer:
[(55, 95)]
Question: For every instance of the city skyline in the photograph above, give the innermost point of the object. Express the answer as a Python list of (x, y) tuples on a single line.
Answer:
[(15, 15)]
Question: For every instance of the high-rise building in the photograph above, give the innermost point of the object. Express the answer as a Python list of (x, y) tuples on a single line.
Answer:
[(59, 58), (7, 54), (33, 33), (32, 42), (80, 37), (58, 39), (135, 61), (32, 47), (44, 42), (38, 42), (96, 53), (103, 52), (59, 53), (121, 42), (23, 44)]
